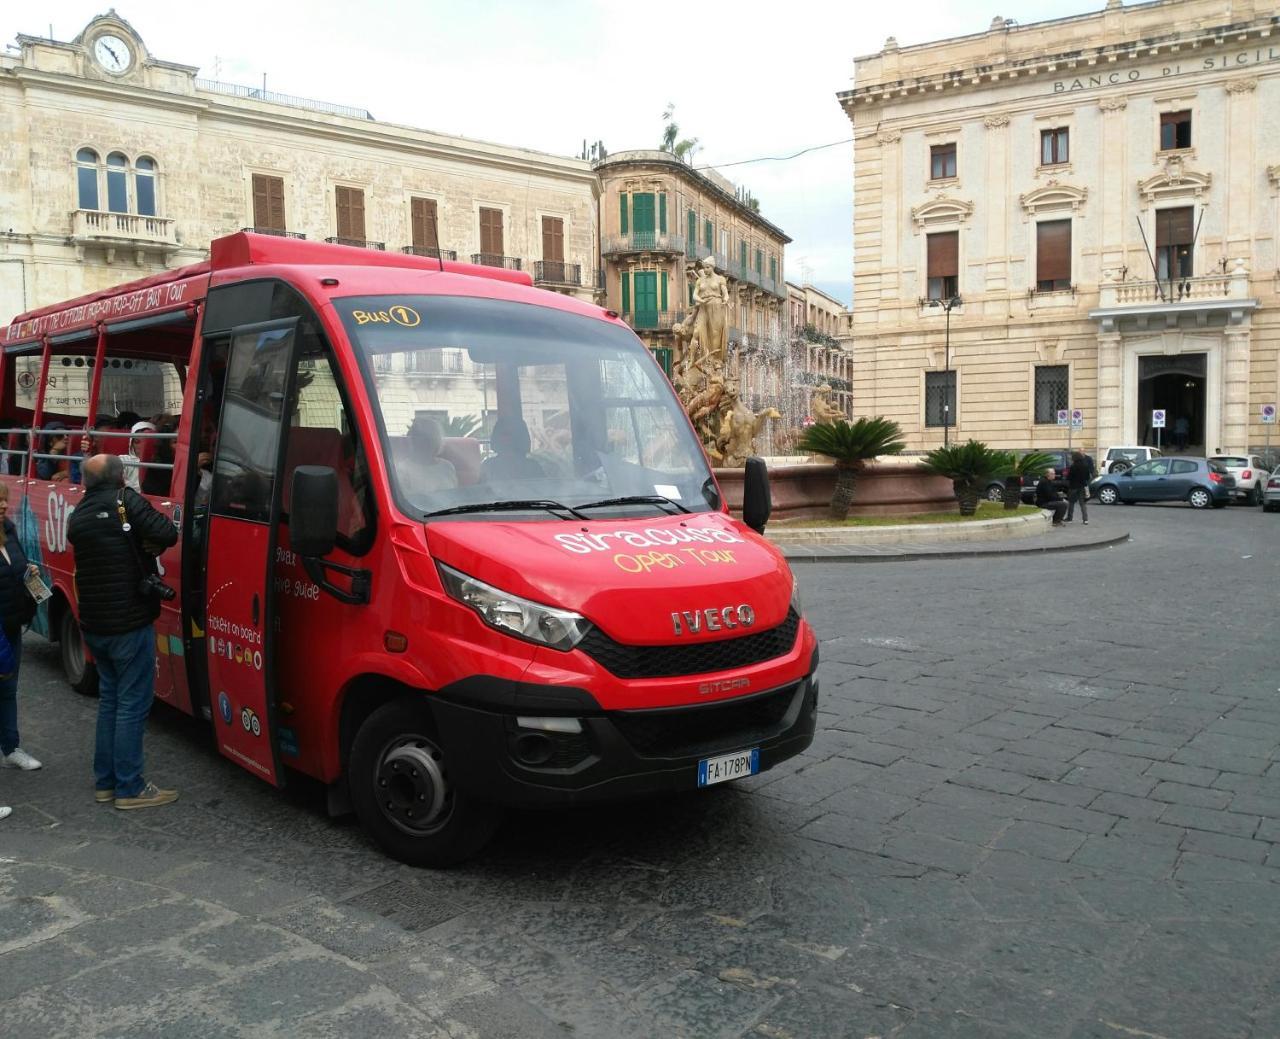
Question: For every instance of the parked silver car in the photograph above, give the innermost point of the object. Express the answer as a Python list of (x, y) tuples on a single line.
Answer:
[(1271, 493)]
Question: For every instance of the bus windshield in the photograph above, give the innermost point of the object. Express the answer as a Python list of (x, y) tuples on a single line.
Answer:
[(487, 403)]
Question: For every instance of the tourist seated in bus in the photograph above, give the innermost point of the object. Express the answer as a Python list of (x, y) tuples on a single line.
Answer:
[(420, 470), (57, 441), (157, 480), (510, 460), (137, 448)]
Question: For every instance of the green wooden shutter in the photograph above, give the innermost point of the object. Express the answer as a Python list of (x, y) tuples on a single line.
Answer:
[(773, 267), (759, 262), (646, 312), (710, 235), (742, 256), (626, 292), (642, 205), (693, 229), (664, 291), (622, 218), (662, 213)]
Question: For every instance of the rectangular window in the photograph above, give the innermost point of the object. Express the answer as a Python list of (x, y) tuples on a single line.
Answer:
[(622, 213), (939, 398), (625, 278), (642, 213), (942, 161), (646, 287), (424, 226), (491, 241), (773, 268), (1175, 130), (724, 243), (1053, 146), (268, 203), (693, 230), (742, 256), (1053, 255), (944, 264), (709, 234), (759, 261), (662, 213), (1051, 393), (1175, 233), (553, 239), (350, 202)]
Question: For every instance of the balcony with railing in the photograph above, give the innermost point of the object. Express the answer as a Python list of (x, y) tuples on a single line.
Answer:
[(128, 230), (275, 232), (643, 242), (696, 251), (510, 263), (1226, 292), (429, 252), (653, 320), (359, 243), (557, 273)]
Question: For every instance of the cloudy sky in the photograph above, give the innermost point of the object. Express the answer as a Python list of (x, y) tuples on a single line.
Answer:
[(748, 78)]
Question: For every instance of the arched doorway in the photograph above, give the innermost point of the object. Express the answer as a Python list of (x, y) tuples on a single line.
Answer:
[(1176, 385)]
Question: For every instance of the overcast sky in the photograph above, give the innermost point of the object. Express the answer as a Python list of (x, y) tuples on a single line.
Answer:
[(748, 78)]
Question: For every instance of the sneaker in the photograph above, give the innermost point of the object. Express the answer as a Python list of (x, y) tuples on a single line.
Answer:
[(1086, 523), (5, 812), (149, 797), (104, 796), (19, 759)]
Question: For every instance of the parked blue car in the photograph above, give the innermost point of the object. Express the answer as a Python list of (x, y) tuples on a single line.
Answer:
[(1197, 481)]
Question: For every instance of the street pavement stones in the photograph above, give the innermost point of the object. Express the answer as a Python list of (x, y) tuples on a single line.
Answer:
[(1044, 801)]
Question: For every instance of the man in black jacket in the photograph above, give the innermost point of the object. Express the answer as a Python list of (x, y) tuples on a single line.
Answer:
[(1079, 473), (1049, 497), (116, 535)]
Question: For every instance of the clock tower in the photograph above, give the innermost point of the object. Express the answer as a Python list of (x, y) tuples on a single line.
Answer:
[(111, 49)]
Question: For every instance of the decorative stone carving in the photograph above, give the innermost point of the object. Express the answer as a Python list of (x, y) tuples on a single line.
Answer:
[(1273, 174), (1242, 86), (1174, 180), (889, 136), (941, 210), (996, 122), (1053, 196), (1114, 104)]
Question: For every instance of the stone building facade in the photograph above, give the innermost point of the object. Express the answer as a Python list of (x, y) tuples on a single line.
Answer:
[(1098, 200), (115, 163), (818, 338)]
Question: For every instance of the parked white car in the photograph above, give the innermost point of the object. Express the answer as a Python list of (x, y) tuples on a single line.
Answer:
[(1122, 459), (1250, 473), (1271, 493)]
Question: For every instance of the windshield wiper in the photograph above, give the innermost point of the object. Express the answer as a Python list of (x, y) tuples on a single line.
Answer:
[(633, 499), (507, 506)]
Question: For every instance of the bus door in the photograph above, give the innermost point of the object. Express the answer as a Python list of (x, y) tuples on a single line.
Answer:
[(240, 542)]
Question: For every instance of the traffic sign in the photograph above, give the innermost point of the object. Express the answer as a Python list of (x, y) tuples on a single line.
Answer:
[(1064, 416), (1157, 418), (1077, 418), (1268, 414)]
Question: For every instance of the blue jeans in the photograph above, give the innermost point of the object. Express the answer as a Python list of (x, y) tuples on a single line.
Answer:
[(9, 702), (126, 688)]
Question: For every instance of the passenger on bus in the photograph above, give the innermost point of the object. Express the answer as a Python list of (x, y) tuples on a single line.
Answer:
[(131, 460), (420, 470), (15, 461), (57, 442), (510, 459), (155, 480)]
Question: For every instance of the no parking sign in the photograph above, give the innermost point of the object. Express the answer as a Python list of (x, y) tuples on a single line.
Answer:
[(1157, 419), (1268, 414)]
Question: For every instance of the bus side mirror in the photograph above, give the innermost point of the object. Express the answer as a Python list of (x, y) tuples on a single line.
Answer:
[(757, 502), (313, 510)]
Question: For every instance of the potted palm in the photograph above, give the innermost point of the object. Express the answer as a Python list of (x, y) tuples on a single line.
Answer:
[(970, 467), (1031, 464), (851, 445)]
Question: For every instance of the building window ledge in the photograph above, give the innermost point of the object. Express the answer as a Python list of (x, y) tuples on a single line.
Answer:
[(1053, 169), (942, 183)]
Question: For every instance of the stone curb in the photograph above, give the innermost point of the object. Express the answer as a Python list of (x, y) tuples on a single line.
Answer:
[(1023, 526), (797, 554)]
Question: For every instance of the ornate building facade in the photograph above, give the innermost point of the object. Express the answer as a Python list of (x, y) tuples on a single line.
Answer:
[(1073, 215)]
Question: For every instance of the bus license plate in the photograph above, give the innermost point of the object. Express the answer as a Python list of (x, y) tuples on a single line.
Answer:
[(728, 766)]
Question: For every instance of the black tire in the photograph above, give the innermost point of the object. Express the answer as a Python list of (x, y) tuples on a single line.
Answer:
[(1120, 467), (1270, 508), (1199, 498), (80, 671), (1254, 495), (1108, 495), (995, 492), (396, 769)]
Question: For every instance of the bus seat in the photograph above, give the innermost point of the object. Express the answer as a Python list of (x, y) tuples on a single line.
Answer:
[(464, 453), (111, 440), (321, 446)]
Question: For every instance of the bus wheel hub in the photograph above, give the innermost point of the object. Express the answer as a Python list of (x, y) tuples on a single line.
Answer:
[(411, 785)]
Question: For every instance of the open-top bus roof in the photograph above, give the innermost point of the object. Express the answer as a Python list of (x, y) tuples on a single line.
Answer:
[(178, 288)]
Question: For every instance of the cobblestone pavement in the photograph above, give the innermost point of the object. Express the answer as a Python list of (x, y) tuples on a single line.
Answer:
[(1044, 801)]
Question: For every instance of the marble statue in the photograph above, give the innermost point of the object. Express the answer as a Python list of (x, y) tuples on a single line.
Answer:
[(710, 317), (821, 408), (738, 431)]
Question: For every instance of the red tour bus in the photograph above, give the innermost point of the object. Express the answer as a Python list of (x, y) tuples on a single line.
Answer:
[(447, 541)]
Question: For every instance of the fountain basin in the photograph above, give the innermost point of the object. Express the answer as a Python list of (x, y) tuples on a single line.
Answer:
[(804, 491)]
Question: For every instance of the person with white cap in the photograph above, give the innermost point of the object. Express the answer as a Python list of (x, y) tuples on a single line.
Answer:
[(132, 468)]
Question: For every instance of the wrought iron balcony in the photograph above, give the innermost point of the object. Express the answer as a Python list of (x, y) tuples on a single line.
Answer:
[(359, 243), (557, 272), (510, 263), (654, 320), (274, 232), (643, 242), (434, 254), (695, 251), (128, 230)]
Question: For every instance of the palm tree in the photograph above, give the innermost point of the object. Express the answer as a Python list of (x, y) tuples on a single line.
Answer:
[(461, 425), (970, 467), (851, 446), (671, 141), (1030, 464)]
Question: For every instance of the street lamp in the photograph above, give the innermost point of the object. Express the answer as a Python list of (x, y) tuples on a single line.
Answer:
[(946, 305)]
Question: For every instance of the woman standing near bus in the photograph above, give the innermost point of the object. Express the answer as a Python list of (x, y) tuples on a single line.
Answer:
[(16, 609)]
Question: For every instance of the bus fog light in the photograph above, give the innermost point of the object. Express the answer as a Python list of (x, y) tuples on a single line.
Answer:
[(571, 725)]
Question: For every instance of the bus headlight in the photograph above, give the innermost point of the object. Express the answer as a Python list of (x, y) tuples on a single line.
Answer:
[(559, 629), (797, 603)]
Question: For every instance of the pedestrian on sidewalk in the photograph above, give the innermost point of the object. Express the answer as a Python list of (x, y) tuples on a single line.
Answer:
[(17, 607), (1079, 472), (1049, 497), (116, 535)]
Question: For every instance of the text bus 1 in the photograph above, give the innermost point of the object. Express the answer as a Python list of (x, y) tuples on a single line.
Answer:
[(448, 542)]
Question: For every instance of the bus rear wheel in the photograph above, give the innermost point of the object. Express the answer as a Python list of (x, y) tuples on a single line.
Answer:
[(81, 674), (398, 775)]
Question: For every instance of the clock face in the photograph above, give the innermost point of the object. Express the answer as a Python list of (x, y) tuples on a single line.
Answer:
[(112, 53)]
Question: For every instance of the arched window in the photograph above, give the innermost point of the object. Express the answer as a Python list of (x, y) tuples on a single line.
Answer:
[(144, 182), (117, 183), (86, 179)]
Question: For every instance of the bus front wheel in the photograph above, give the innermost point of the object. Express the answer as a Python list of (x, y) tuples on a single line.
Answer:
[(398, 774), (81, 674)]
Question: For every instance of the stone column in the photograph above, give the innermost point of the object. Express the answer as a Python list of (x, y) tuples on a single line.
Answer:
[(1110, 388), (891, 213), (996, 203), (1113, 173), (1242, 140), (1235, 391)]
